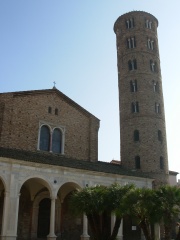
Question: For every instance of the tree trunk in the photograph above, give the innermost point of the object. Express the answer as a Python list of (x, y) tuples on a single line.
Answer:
[(167, 230), (106, 233), (115, 229), (94, 227), (146, 229)]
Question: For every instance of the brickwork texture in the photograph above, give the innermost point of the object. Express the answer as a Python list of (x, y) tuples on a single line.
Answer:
[(147, 120)]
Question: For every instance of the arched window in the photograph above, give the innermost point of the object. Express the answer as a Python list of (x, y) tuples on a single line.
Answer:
[(135, 64), (44, 138), (157, 108), (137, 162), (56, 141), (150, 44), (160, 135), (56, 111), (133, 86), (132, 64), (148, 24), (136, 135), (130, 23), (161, 161), (131, 42), (155, 86), (49, 109), (135, 107), (153, 66)]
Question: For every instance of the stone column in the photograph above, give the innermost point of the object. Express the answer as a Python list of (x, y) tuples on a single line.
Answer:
[(85, 235), (52, 235), (50, 141), (157, 231), (5, 214), (10, 217), (58, 218)]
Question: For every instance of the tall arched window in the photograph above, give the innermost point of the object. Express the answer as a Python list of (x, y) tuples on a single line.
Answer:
[(160, 135), (155, 86), (132, 64), (137, 162), (131, 42), (153, 66), (49, 109), (56, 141), (135, 107), (56, 111), (157, 108), (130, 23), (133, 86), (136, 135), (44, 138), (161, 162), (148, 24)]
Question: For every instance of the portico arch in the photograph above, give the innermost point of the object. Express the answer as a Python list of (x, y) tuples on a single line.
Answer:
[(40, 180), (66, 188), (35, 212), (32, 192), (70, 226)]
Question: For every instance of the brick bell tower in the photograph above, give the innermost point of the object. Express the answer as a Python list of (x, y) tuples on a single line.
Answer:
[(142, 120)]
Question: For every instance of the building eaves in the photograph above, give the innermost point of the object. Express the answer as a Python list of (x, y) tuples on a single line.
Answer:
[(61, 160), (173, 173)]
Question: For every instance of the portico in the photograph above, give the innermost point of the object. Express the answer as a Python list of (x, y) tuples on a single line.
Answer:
[(34, 194)]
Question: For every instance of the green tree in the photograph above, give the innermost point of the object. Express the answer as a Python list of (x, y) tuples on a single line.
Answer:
[(98, 203), (168, 198), (150, 206), (141, 205)]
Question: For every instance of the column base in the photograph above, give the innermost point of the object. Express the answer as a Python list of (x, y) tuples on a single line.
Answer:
[(51, 237), (85, 237), (119, 238), (8, 237)]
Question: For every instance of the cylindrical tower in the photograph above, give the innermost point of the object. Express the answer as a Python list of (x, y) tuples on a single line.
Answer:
[(142, 120)]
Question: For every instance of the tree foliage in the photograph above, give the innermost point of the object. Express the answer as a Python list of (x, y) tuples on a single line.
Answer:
[(141, 205), (147, 206), (168, 202), (98, 203)]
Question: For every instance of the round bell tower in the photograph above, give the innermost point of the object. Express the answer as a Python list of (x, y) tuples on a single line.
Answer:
[(142, 119)]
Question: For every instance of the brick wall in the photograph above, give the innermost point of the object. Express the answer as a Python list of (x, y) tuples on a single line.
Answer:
[(146, 121), (24, 111)]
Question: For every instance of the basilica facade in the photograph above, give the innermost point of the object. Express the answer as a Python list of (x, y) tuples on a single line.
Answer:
[(49, 144)]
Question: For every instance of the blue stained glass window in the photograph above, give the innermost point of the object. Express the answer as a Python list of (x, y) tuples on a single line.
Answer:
[(44, 138), (56, 141)]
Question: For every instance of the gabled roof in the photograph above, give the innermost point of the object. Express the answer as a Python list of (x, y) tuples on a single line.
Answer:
[(53, 91)]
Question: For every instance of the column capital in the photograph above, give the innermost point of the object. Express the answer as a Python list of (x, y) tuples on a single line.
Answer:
[(6, 193), (53, 198)]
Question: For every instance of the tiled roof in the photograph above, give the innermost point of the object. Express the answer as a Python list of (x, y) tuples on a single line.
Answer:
[(173, 173), (61, 160)]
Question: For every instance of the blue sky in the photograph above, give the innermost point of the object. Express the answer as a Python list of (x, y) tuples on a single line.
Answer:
[(73, 43)]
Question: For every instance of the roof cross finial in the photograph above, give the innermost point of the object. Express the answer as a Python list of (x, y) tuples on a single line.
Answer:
[(54, 84)]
